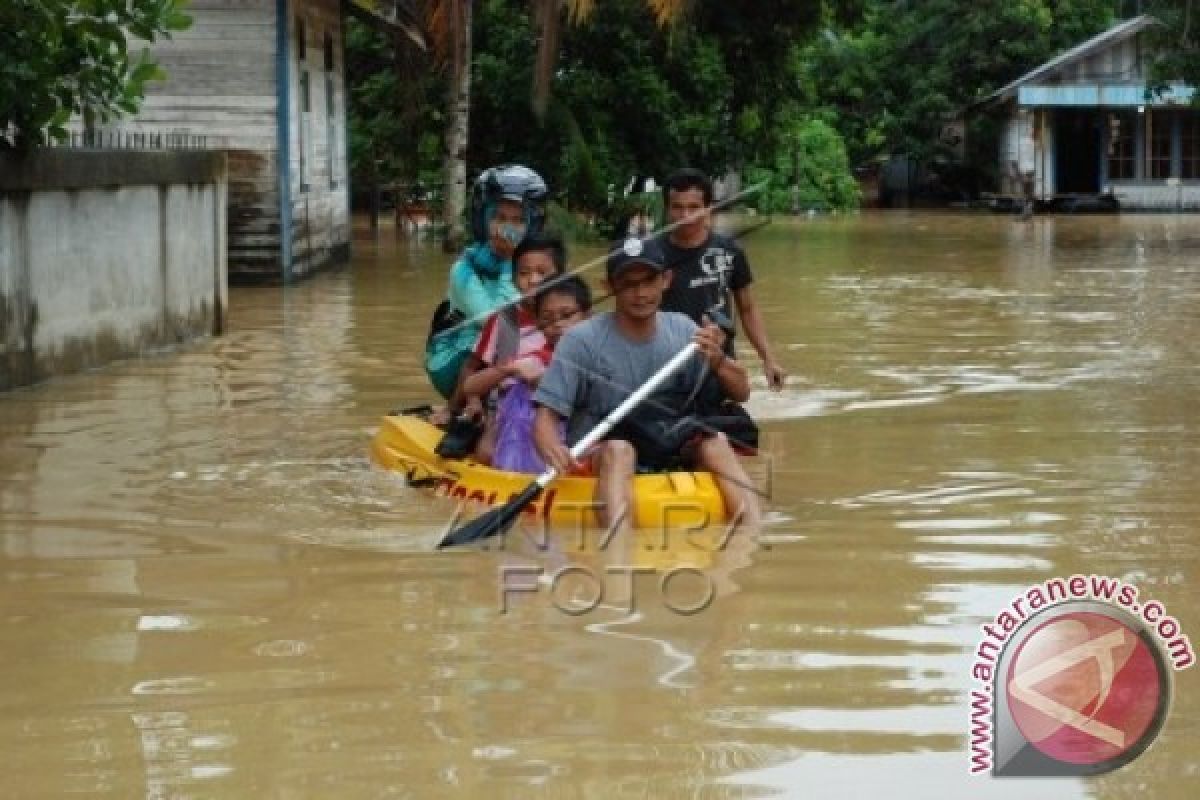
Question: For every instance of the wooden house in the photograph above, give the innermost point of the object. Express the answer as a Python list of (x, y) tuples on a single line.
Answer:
[(1083, 129), (264, 80)]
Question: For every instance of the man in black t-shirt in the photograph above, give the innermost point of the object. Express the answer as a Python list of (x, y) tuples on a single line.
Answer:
[(710, 268)]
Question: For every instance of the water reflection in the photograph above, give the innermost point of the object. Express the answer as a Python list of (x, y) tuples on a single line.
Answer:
[(207, 590)]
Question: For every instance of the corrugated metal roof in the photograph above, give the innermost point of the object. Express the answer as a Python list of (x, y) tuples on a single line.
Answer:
[(1115, 34)]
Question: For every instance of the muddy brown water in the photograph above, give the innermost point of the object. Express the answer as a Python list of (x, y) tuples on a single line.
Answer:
[(207, 591)]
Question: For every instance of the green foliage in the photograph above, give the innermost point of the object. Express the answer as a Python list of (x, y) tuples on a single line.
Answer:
[(755, 42), (67, 57), (790, 91), (574, 226), (394, 113), (894, 76), (503, 126), (639, 102), (1176, 44), (629, 99), (810, 171)]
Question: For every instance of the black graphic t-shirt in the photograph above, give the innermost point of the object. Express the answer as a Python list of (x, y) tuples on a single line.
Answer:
[(705, 276)]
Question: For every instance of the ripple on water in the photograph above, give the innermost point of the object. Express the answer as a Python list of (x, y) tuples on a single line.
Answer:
[(796, 404)]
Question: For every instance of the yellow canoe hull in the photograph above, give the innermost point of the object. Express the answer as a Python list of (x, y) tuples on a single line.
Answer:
[(405, 444)]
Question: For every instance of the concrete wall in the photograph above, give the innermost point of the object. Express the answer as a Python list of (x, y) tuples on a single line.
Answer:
[(1170, 195), (106, 255)]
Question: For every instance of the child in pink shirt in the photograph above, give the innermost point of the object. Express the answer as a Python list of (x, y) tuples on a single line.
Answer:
[(559, 304)]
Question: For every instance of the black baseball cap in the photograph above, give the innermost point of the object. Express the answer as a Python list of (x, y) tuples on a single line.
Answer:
[(633, 251)]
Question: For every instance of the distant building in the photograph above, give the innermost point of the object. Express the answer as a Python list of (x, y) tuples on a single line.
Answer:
[(264, 80), (1082, 127)]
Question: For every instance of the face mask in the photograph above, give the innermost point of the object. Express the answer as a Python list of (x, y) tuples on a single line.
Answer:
[(511, 233)]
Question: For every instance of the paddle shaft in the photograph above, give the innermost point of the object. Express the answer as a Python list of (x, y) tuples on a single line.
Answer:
[(620, 412)]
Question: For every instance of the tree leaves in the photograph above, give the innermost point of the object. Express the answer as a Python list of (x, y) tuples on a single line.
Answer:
[(796, 89), (1176, 45), (890, 77), (67, 57), (808, 170)]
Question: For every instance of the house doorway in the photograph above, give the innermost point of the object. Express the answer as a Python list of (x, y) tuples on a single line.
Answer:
[(1077, 152)]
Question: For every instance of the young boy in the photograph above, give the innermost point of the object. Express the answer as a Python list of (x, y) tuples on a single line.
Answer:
[(558, 305), (509, 336), (710, 269)]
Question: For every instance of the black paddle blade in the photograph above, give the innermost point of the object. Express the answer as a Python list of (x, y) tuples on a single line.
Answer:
[(494, 522)]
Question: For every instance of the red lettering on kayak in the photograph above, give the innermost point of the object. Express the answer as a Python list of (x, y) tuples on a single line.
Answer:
[(459, 493), (477, 496)]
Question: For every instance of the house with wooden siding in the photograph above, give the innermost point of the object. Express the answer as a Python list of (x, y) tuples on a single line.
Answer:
[(1082, 129), (264, 80)]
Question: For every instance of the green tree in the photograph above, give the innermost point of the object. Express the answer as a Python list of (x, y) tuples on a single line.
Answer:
[(655, 86), (73, 57), (395, 111), (645, 100), (893, 77), (449, 27), (755, 42), (809, 170), (630, 99), (1175, 43)]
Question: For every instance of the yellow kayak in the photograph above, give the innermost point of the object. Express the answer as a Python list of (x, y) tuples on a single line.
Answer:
[(405, 444)]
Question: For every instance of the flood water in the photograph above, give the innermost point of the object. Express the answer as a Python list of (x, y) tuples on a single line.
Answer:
[(206, 590)]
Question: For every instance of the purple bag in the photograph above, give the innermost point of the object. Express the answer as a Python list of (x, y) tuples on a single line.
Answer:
[(514, 432)]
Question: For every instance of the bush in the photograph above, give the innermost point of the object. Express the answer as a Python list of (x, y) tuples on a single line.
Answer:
[(572, 226), (810, 170)]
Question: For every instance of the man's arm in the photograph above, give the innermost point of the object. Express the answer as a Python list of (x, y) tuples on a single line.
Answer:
[(756, 332), (546, 425), (734, 380), (556, 398)]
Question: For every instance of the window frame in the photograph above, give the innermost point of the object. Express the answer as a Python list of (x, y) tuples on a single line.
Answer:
[(1122, 137)]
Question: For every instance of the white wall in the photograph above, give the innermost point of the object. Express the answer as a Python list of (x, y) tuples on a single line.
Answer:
[(93, 273), (1158, 196), (320, 205)]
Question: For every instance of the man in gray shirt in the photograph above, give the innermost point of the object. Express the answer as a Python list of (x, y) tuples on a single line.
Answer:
[(599, 363)]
